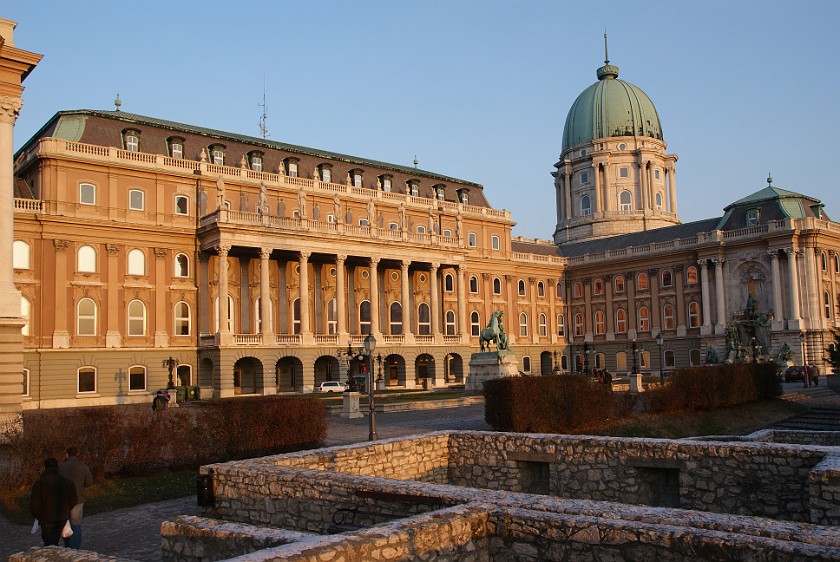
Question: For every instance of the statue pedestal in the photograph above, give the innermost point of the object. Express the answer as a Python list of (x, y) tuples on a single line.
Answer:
[(636, 382), (350, 403), (490, 365)]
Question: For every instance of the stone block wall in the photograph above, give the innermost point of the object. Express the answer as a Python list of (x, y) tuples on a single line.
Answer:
[(764, 479), (825, 491)]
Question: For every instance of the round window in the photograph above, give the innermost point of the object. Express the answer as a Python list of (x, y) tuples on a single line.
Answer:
[(332, 272), (365, 274), (297, 269), (583, 152), (422, 277), (622, 146), (395, 276)]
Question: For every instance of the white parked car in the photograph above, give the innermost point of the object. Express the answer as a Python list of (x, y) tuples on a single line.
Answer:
[(332, 386)]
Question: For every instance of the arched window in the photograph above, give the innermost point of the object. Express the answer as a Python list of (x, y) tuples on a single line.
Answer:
[(577, 290), (424, 325), (364, 317), (183, 319), (578, 324), (658, 200), (230, 318), (87, 194), (625, 201), (136, 200), (25, 312), (644, 319), (585, 206), (836, 263), (497, 286), (558, 290), (523, 324), (543, 325), (86, 260), (472, 240), (136, 262), (86, 317), (540, 289), (258, 315), (642, 283), (448, 283), (332, 317), (621, 321), (618, 284), (450, 322), (475, 324), (494, 242), (526, 364), (598, 286), (668, 317), (827, 302), (136, 318), (667, 278), (521, 287), (473, 284), (694, 315), (20, 255), (824, 261), (599, 322), (182, 265), (395, 318), (182, 205), (561, 325), (691, 275), (86, 380), (621, 361), (137, 378)]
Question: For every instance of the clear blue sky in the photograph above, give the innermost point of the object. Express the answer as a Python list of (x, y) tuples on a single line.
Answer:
[(476, 89)]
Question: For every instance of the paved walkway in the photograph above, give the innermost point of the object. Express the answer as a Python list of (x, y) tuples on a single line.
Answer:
[(134, 533)]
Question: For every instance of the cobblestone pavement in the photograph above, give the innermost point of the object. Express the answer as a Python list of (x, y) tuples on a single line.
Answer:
[(134, 533)]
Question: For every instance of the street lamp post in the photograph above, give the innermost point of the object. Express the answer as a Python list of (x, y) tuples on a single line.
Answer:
[(635, 349), (754, 345), (659, 342), (170, 364), (586, 358), (370, 345)]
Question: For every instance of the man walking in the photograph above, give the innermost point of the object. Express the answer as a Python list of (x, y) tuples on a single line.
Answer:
[(79, 474), (51, 500)]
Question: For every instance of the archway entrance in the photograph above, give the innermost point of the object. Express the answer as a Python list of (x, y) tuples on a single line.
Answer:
[(288, 372), (424, 369), (246, 374), (327, 369), (545, 363), (394, 370), (453, 369)]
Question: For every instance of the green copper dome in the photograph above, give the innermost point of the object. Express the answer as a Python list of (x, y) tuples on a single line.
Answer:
[(610, 108)]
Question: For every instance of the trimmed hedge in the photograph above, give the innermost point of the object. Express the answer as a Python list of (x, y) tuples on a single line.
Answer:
[(545, 404), (134, 439), (573, 403)]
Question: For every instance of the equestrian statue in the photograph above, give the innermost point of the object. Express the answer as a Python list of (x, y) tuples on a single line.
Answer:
[(494, 332)]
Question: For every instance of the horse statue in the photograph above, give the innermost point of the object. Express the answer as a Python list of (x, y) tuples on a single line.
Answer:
[(494, 332)]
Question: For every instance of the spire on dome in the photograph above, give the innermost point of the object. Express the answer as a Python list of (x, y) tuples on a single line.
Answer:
[(607, 71)]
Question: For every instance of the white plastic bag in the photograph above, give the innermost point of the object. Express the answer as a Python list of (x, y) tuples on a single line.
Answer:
[(36, 527), (67, 531)]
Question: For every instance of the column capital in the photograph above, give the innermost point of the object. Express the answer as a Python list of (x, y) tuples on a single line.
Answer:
[(304, 255), (773, 254), (791, 250), (550, 280), (112, 249), (718, 261), (405, 264), (703, 263), (679, 268), (629, 275), (61, 245), (653, 272), (532, 280), (485, 276), (461, 269), (223, 249), (508, 278), (340, 258), (9, 109), (265, 253), (161, 252), (434, 266), (374, 261), (607, 278)]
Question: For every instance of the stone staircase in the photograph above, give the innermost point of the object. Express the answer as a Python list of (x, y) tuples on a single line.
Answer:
[(823, 410)]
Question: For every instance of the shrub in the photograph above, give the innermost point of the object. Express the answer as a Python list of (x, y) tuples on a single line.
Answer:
[(545, 404), (133, 439)]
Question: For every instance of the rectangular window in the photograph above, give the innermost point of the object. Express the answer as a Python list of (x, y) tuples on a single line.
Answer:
[(25, 382), (326, 175), (218, 157), (495, 241), (177, 150), (656, 174), (182, 205), (256, 163), (584, 178), (136, 200), (137, 378), (87, 194), (386, 184), (624, 172), (293, 169), (86, 380), (132, 142), (357, 179)]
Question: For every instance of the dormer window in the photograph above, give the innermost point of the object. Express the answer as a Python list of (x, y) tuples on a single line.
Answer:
[(752, 217), (412, 187), (439, 191), (255, 160), (356, 177), (325, 172), (176, 147), (464, 196), (217, 154), (290, 166), (131, 140), (385, 182)]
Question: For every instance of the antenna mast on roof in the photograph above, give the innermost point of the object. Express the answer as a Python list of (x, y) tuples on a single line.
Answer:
[(264, 116), (606, 51)]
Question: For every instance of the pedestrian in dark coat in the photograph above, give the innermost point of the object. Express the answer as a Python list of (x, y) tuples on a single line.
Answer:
[(79, 473), (52, 498)]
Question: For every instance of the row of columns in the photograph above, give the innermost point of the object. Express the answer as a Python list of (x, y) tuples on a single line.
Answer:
[(341, 300)]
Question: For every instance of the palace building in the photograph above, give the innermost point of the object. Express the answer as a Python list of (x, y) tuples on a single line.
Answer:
[(254, 262)]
